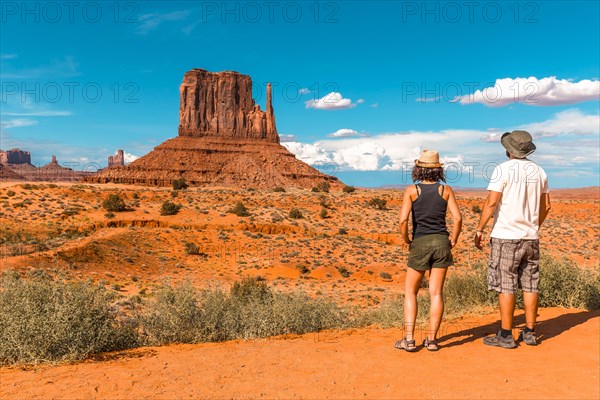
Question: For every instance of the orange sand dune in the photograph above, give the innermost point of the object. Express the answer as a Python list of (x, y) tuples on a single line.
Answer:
[(339, 365)]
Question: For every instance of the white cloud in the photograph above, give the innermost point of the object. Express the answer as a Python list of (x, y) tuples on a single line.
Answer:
[(17, 123), (534, 92), (64, 68), (331, 101), (345, 132), (39, 114), (128, 157), (568, 122), (360, 101), (459, 148), (304, 91), (374, 105), (287, 137), (149, 22)]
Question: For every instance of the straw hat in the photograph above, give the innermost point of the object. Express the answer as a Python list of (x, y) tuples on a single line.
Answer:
[(429, 159), (518, 143)]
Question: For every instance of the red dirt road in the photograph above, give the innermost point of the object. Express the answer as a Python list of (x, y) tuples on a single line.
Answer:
[(357, 364)]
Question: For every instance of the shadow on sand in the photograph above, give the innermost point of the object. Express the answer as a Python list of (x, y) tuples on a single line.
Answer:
[(545, 329)]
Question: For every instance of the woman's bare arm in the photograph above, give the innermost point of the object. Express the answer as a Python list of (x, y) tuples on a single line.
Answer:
[(405, 213), (456, 216)]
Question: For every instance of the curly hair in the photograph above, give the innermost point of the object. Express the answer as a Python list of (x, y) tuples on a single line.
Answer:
[(428, 174)]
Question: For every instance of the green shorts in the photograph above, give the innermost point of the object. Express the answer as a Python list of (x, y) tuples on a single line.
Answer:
[(430, 251)]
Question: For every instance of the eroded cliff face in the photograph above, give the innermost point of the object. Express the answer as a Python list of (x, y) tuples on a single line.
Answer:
[(224, 139), (221, 105)]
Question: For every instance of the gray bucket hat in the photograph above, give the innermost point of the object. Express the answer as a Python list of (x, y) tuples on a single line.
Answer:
[(518, 143)]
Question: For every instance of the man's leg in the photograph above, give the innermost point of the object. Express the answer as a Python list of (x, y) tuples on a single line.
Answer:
[(507, 310), (531, 308)]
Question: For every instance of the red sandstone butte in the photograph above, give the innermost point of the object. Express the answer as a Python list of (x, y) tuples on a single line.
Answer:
[(225, 139)]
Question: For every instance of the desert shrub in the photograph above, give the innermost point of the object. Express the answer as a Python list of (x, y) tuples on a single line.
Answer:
[(342, 231), (169, 208), (377, 203), (324, 213), (180, 184), (114, 203), (295, 213), (348, 189), (467, 290), (249, 310), (109, 215), (322, 187), (173, 316), (563, 284), (385, 275), (279, 189), (42, 319), (10, 193), (192, 248), (344, 271), (476, 209), (239, 209), (174, 193)]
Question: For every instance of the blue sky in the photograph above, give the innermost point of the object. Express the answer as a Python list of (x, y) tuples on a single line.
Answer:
[(363, 86)]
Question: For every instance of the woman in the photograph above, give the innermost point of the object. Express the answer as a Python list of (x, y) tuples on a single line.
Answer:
[(430, 246)]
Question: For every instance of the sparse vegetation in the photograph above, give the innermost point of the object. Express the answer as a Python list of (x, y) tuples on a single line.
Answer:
[(348, 189), (192, 248), (279, 189), (322, 187), (240, 210), (377, 203), (114, 203), (476, 209), (180, 184), (324, 213), (169, 208), (295, 213)]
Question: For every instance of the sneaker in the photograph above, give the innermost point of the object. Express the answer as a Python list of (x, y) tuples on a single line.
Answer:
[(529, 338), (499, 341)]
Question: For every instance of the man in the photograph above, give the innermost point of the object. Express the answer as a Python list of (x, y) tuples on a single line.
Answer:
[(519, 199)]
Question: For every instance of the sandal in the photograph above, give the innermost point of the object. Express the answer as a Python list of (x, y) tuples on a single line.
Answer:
[(408, 345), (430, 345)]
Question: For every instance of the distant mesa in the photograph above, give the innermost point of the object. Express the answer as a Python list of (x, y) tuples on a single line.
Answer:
[(117, 160), (15, 156), (15, 164), (224, 139)]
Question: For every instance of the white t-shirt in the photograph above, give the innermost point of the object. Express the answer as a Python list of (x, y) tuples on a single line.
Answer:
[(521, 183)]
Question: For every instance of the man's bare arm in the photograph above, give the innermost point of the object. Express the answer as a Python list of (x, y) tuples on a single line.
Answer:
[(544, 207), (488, 210)]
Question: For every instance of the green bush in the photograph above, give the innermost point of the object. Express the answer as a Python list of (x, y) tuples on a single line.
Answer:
[(240, 210), (169, 208), (114, 203), (180, 184), (295, 213), (348, 189), (378, 203), (279, 189), (192, 248), (322, 187), (42, 319), (324, 213), (476, 209)]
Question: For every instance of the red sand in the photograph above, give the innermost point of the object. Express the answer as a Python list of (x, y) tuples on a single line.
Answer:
[(344, 364)]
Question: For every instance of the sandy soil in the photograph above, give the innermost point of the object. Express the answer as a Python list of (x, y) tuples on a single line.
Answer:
[(356, 364)]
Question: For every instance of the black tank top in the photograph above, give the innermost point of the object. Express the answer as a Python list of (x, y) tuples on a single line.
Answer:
[(429, 211)]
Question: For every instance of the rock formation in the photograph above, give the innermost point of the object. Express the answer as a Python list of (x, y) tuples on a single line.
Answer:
[(224, 139), (118, 160), (15, 156)]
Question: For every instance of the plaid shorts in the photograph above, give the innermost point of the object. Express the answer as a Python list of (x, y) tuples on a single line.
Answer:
[(514, 263)]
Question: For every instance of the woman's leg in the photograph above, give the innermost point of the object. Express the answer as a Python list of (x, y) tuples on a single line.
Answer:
[(437, 277), (412, 284)]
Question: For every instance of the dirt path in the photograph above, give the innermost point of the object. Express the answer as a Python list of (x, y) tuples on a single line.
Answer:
[(343, 364)]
